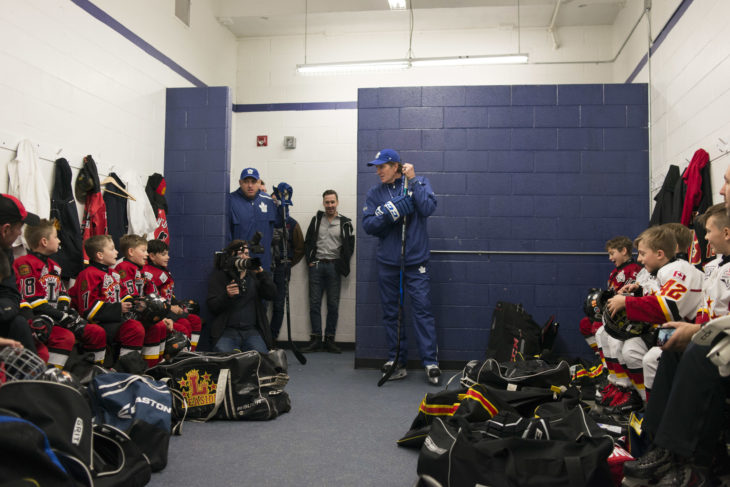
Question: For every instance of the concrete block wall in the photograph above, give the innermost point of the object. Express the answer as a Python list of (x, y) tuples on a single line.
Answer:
[(197, 168), (556, 168)]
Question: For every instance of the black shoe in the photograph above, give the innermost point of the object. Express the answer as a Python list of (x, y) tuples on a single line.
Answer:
[(684, 476), (651, 466), (329, 345), (314, 345)]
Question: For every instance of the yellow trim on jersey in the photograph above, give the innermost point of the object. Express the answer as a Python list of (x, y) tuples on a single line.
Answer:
[(126, 298), (95, 310), (38, 302), (665, 310), (66, 299)]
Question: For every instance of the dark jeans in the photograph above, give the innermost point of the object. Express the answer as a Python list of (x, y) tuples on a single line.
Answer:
[(233, 339), (277, 316), (686, 405), (324, 278)]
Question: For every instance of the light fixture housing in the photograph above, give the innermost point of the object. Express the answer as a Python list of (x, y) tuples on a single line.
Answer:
[(394, 64), (397, 4)]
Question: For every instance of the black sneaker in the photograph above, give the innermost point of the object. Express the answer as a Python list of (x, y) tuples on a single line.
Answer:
[(650, 466), (433, 374), (684, 476), (314, 345), (330, 346)]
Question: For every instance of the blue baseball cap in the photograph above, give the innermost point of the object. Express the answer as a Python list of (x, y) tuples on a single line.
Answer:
[(250, 172), (385, 155)]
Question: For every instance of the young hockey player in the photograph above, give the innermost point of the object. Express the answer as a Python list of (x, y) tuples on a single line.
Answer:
[(97, 296), (678, 298), (159, 280), (39, 282)]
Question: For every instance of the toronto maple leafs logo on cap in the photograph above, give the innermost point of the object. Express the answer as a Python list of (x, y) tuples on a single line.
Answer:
[(385, 155)]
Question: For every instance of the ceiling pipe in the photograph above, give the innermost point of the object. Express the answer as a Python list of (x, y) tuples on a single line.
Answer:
[(551, 28)]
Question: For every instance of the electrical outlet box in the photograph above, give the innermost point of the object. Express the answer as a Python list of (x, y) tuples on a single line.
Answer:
[(290, 142)]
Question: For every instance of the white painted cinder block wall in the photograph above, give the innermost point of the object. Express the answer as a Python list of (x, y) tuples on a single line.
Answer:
[(74, 86)]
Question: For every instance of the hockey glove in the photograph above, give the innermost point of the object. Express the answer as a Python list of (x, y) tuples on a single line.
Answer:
[(398, 207), (41, 327), (73, 323)]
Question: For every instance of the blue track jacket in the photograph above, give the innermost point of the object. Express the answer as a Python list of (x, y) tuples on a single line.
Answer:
[(246, 217), (376, 223)]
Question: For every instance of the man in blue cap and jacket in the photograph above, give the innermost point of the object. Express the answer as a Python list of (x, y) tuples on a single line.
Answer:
[(386, 207), (251, 211)]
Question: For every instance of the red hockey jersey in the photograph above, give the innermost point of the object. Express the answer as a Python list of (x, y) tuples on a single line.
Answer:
[(159, 280), (97, 294), (39, 281), (623, 274), (131, 278)]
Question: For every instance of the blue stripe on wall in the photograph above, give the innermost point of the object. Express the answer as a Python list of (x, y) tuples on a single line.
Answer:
[(294, 107), (673, 20), (108, 20)]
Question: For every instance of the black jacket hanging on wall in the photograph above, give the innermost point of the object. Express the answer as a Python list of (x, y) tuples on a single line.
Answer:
[(116, 210), (66, 219), (669, 200)]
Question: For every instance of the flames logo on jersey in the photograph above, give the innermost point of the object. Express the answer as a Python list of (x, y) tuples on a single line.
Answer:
[(110, 289), (199, 390)]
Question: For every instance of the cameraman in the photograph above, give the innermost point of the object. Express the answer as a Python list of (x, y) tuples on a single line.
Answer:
[(235, 290)]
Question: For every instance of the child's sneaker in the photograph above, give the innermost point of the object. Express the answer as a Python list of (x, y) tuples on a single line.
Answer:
[(433, 374), (398, 373)]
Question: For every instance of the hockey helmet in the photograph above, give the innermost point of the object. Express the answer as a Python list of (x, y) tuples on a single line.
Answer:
[(54, 374), (620, 328), (192, 306), (20, 364), (151, 309), (176, 342), (595, 302)]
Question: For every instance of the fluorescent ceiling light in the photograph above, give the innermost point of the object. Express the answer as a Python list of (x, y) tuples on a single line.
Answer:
[(397, 4), (353, 67), (393, 64), (467, 60)]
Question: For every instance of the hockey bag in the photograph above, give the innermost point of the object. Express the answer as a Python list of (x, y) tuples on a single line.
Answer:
[(140, 407), (118, 460), (63, 413), (515, 335), (517, 375), (27, 456), (236, 386), (509, 451)]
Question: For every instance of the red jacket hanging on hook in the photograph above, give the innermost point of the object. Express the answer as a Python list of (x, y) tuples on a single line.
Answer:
[(88, 187), (694, 177), (155, 189)]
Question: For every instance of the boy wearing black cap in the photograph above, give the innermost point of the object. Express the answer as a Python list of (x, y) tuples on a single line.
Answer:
[(251, 211), (13, 324), (387, 205)]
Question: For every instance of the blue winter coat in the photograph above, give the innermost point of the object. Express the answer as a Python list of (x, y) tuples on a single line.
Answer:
[(377, 223), (248, 216)]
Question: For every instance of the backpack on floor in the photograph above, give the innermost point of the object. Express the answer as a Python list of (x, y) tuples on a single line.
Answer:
[(139, 406), (242, 385), (514, 335)]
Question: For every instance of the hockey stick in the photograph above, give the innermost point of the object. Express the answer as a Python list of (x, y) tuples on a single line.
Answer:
[(285, 237), (390, 371)]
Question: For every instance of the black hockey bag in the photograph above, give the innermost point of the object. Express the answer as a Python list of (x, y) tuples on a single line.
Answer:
[(515, 335), (517, 375), (242, 385)]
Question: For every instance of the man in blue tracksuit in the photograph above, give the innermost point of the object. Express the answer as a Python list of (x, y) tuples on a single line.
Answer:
[(251, 211), (385, 208)]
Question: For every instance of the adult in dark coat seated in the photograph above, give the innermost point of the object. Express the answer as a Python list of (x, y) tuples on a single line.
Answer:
[(234, 297)]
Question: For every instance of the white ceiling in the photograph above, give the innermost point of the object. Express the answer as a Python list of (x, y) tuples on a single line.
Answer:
[(259, 18)]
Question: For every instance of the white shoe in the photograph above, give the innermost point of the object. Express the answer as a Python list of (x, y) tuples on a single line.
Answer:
[(433, 374), (399, 372)]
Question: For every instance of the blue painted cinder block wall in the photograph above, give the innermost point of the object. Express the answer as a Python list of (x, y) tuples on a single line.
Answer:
[(556, 168), (197, 168)]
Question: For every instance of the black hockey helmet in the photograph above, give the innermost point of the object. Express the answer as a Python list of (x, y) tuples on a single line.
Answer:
[(594, 303), (620, 328), (192, 306), (151, 309), (176, 342)]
